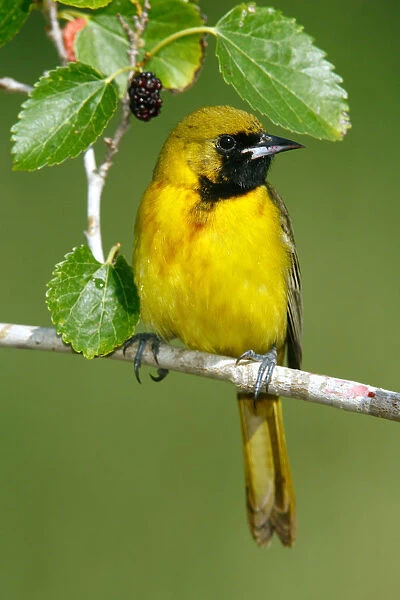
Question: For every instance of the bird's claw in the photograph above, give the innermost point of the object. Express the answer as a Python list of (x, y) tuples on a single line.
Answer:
[(268, 364), (162, 373), (143, 339)]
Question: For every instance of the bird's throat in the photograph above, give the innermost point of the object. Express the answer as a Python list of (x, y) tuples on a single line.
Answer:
[(211, 192), (234, 179)]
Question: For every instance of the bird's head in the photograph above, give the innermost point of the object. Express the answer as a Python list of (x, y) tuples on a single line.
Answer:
[(220, 151)]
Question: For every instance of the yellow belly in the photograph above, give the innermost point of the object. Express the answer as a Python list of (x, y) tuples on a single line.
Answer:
[(218, 283)]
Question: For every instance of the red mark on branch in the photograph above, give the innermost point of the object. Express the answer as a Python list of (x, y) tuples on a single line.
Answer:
[(351, 391), (359, 390)]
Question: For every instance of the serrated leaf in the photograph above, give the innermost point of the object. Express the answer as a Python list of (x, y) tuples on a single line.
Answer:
[(276, 68), (103, 45), (13, 14), (93, 4), (94, 307), (177, 65), (66, 112)]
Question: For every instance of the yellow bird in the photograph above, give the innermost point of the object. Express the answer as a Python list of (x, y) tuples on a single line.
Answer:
[(215, 266)]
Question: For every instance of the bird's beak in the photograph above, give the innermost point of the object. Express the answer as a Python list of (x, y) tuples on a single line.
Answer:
[(271, 144)]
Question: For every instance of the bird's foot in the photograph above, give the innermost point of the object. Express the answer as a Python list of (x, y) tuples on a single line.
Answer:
[(143, 339), (268, 364)]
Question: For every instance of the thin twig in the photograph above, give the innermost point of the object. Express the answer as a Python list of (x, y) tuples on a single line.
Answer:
[(133, 42), (114, 142), (13, 86), (54, 30), (135, 36), (321, 389)]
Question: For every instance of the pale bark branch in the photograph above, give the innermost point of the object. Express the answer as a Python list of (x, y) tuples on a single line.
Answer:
[(321, 389), (96, 179), (13, 86), (54, 30), (95, 185)]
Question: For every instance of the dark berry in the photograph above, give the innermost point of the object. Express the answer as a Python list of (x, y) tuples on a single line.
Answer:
[(144, 95)]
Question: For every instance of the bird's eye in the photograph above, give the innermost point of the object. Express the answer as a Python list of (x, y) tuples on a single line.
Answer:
[(226, 143)]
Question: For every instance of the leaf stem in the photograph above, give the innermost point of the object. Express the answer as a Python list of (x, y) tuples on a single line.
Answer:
[(168, 40), (113, 254), (71, 15), (176, 36)]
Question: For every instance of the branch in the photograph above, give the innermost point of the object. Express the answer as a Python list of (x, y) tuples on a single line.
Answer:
[(54, 30), (12, 85), (96, 177), (114, 142), (139, 22), (95, 184), (134, 38), (321, 389)]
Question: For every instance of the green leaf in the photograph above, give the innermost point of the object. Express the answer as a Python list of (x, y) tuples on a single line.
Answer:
[(103, 45), (94, 307), (275, 67), (123, 7), (66, 112), (179, 63), (13, 14), (87, 3)]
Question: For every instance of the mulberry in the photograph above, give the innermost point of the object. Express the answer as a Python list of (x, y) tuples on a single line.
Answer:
[(144, 93)]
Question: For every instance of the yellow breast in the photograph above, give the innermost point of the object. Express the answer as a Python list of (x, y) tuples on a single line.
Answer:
[(216, 278)]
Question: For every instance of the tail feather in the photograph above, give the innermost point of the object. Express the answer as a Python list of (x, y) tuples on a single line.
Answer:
[(270, 495)]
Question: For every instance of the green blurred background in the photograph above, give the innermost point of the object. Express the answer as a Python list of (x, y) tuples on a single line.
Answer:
[(111, 490)]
